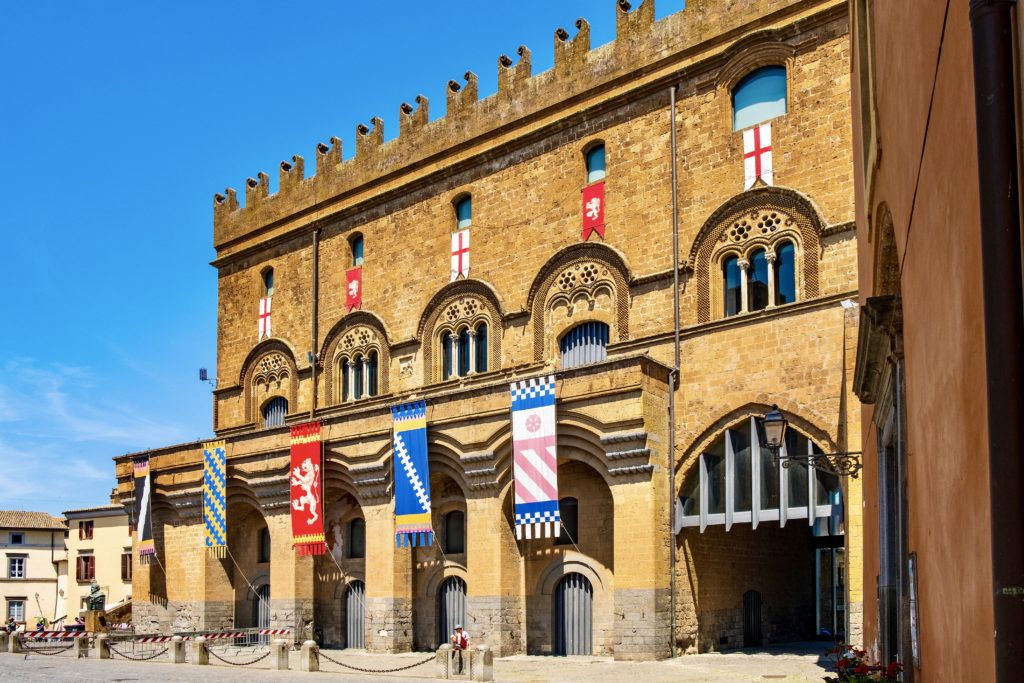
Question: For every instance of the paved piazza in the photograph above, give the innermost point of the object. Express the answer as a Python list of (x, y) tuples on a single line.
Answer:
[(799, 665)]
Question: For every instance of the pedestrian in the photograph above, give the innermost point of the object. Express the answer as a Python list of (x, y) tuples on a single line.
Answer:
[(12, 625), (460, 642)]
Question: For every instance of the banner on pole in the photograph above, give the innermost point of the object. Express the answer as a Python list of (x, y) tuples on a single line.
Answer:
[(143, 509), (215, 508), (534, 448), (306, 487), (593, 210), (412, 476)]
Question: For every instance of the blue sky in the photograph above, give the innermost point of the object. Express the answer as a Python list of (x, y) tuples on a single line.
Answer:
[(119, 121)]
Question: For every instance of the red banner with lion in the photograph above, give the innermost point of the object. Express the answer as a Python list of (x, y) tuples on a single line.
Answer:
[(307, 490)]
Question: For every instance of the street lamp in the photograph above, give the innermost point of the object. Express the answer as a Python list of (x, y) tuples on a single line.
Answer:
[(843, 464)]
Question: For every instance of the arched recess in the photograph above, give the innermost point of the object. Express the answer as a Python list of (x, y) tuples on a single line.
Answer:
[(740, 223), (752, 52), (245, 569), (714, 430), (590, 274), (463, 301), (269, 370), (360, 331)]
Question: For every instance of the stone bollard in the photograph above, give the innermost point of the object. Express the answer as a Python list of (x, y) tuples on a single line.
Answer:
[(3, 641), (279, 655), (82, 647), (200, 654), (309, 659), (177, 650), (14, 643), (102, 645), (442, 660), (481, 665)]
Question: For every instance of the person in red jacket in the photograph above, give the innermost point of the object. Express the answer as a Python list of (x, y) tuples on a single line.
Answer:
[(460, 642)]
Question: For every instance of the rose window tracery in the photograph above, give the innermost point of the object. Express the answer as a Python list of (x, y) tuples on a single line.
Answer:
[(755, 224)]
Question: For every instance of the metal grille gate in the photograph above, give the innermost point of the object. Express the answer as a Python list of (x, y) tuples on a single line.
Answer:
[(355, 615), (574, 600), (261, 613), (274, 412), (451, 607), (752, 619)]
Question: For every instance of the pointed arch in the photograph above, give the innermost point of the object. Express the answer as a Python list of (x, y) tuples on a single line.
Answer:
[(797, 421), (490, 311), (796, 216), (280, 365), (612, 279), (331, 348)]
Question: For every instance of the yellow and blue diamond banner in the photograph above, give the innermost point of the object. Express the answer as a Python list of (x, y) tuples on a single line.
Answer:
[(215, 508)]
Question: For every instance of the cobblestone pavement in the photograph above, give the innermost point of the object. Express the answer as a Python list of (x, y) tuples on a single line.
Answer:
[(795, 665)]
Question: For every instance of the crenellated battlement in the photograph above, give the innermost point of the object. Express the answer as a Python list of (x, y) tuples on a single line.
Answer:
[(641, 43)]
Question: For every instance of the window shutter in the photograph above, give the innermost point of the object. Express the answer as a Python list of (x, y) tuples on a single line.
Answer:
[(81, 531), (78, 569)]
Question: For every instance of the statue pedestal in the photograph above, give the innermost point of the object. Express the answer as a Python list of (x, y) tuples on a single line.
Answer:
[(94, 621)]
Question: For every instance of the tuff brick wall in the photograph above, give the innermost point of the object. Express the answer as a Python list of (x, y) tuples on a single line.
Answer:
[(520, 154)]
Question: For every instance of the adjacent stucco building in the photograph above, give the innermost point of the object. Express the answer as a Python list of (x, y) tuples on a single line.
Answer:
[(34, 566)]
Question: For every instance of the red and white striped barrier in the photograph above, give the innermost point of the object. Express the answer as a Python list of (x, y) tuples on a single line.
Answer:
[(209, 636), (274, 632), (154, 639), (54, 635)]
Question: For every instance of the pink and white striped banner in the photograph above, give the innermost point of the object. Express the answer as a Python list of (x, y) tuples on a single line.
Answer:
[(535, 447)]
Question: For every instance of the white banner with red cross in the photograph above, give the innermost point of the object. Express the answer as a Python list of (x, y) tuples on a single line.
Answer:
[(264, 319), (757, 155), (460, 254)]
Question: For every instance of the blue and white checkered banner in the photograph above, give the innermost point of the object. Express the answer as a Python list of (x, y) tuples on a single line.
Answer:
[(412, 476), (534, 448)]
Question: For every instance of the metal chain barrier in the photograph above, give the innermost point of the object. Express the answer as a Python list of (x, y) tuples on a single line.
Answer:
[(137, 658), (48, 650), (228, 661), (320, 654)]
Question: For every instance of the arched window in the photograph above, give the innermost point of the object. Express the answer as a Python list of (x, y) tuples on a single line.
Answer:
[(455, 532), (464, 212), (264, 548), (357, 538), (732, 278), (464, 355), (760, 96), (268, 282), (274, 411), (586, 343), (785, 274), (569, 511), (357, 250), (357, 383), (595, 163), (736, 480), (481, 347), (757, 281), (346, 384), (371, 374), (446, 353)]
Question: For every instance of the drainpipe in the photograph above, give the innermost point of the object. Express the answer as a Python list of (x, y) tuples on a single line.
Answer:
[(991, 32), (316, 308), (673, 379)]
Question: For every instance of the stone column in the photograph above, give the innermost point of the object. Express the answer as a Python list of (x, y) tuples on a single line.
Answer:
[(279, 655), (103, 646), (200, 655), (494, 609), (82, 648), (455, 355), (744, 265), (351, 381), (388, 597), (472, 351), (770, 258), (177, 650)]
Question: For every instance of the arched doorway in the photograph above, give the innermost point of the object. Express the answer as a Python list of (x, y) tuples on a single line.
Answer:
[(451, 607), (355, 615), (781, 531), (574, 616)]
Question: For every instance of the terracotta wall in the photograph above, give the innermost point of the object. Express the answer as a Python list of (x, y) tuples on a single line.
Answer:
[(927, 180)]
